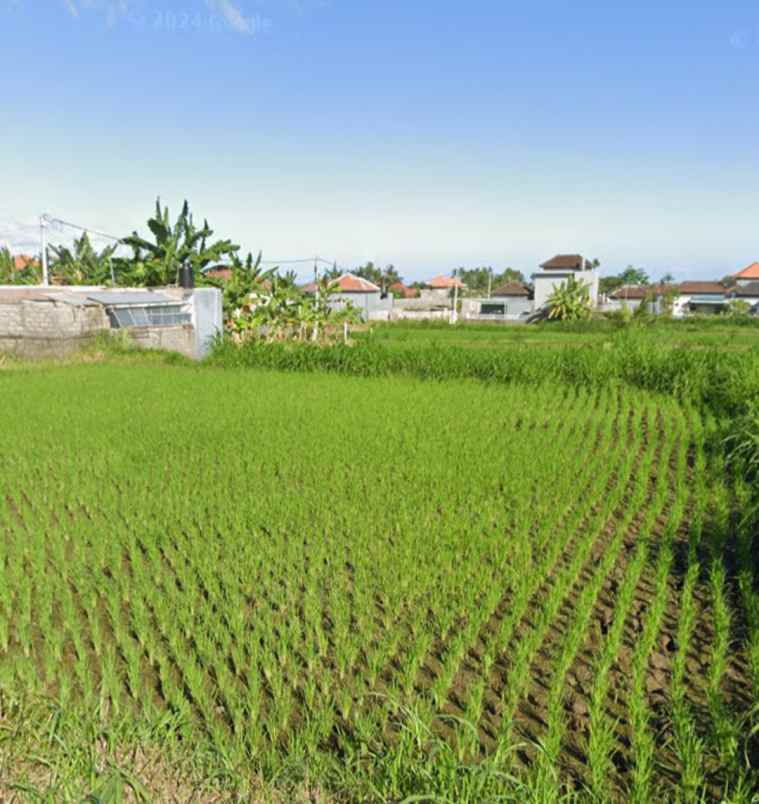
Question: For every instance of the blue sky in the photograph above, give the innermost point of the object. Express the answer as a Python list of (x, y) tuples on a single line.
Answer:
[(427, 135)]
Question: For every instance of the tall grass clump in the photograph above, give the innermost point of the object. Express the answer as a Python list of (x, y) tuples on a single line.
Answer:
[(723, 382)]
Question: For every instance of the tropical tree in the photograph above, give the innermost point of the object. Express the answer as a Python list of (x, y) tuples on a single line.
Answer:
[(82, 264), (634, 276), (608, 284), (478, 280), (570, 301), (382, 277), (176, 245), (738, 308), (30, 272)]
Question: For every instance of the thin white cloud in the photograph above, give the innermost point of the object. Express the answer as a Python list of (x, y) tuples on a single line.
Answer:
[(112, 9), (20, 237), (232, 15)]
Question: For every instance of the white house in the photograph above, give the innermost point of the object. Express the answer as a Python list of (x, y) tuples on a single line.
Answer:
[(362, 294), (557, 271), (701, 298), (630, 297)]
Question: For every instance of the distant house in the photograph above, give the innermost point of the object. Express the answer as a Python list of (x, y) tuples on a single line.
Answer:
[(440, 289), (23, 261), (508, 302), (221, 272), (362, 294), (749, 293), (404, 292), (700, 297), (632, 296), (511, 299), (747, 275), (558, 270), (629, 296)]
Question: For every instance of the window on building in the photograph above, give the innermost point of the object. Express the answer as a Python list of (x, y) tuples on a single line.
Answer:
[(493, 309), (167, 315)]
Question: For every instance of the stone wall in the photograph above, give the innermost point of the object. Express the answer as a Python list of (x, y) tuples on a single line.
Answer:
[(39, 328)]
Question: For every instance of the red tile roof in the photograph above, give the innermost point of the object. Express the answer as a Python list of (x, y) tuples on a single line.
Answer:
[(445, 283), (695, 288), (224, 274), (347, 283), (407, 293), (24, 261), (641, 291), (752, 272), (511, 289), (564, 262)]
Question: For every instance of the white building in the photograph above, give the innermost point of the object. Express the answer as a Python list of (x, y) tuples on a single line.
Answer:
[(557, 271)]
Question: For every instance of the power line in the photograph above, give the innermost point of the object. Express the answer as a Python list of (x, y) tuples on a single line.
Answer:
[(86, 229), (294, 261), (300, 259)]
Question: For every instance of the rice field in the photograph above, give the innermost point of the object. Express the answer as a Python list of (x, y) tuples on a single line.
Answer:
[(396, 587)]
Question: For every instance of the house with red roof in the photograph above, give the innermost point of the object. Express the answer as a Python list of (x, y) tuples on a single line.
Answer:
[(441, 289), (402, 291), (747, 275), (703, 298), (360, 293)]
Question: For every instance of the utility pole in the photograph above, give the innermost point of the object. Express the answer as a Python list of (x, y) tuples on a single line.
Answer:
[(315, 333), (454, 311), (43, 238), (490, 281)]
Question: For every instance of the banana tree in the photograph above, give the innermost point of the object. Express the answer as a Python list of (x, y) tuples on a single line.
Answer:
[(247, 278), (176, 245), (11, 274), (570, 301), (7, 266), (82, 265)]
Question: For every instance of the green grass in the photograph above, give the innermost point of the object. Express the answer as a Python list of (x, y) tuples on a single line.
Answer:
[(705, 332), (284, 584)]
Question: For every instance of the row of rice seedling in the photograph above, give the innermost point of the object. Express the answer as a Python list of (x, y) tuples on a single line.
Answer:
[(647, 507), (605, 500), (288, 565)]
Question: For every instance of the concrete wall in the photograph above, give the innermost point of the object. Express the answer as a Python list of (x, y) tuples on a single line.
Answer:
[(207, 320), (617, 305), (37, 328), (435, 295), (170, 339), (401, 314)]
